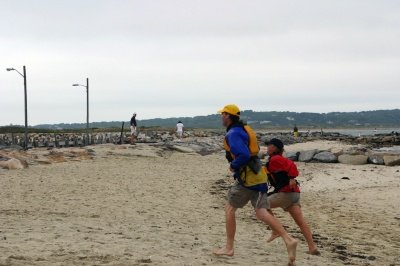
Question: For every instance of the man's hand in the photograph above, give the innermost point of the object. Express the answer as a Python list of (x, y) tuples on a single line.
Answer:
[(231, 169), (292, 183)]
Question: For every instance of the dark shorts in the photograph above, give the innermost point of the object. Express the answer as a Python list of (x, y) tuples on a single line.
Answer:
[(238, 196)]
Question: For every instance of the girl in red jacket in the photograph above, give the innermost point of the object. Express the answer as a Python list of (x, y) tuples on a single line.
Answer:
[(286, 195)]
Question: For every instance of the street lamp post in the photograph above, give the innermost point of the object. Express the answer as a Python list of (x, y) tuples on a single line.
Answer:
[(87, 107), (25, 103)]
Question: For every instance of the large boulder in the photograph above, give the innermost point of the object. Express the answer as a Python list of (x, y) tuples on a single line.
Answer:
[(353, 159), (166, 137), (337, 151), (13, 164), (307, 156), (293, 156), (326, 157), (387, 139), (392, 160), (376, 159)]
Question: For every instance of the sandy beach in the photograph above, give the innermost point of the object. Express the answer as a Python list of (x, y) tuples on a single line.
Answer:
[(141, 205)]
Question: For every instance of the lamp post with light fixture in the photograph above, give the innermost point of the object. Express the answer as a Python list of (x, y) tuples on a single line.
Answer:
[(25, 104), (87, 107)]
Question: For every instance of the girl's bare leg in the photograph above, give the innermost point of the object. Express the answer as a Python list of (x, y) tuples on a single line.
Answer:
[(297, 215)]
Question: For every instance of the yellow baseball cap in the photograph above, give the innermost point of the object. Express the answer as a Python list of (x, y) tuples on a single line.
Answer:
[(231, 109)]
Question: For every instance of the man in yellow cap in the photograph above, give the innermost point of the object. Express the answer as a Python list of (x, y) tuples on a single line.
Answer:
[(250, 181)]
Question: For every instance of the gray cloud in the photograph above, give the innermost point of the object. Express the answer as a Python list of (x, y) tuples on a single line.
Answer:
[(178, 58)]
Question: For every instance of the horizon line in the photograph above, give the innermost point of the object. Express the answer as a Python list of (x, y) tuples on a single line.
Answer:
[(191, 117)]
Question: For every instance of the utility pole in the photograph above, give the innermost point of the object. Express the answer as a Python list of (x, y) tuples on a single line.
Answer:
[(87, 107), (25, 104), (26, 111)]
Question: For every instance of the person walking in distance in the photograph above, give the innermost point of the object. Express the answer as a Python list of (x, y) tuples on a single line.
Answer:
[(250, 182), (179, 129), (133, 128)]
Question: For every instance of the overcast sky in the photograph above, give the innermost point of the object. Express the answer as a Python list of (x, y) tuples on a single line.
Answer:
[(183, 58)]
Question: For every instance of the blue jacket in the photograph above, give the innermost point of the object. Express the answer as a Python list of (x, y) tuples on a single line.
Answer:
[(238, 141)]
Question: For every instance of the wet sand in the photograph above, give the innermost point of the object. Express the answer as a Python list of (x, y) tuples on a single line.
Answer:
[(146, 206)]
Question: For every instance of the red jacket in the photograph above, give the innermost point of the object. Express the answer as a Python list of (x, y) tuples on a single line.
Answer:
[(278, 164)]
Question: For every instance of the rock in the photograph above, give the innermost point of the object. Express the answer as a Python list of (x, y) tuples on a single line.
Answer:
[(293, 156), (183, 149), (355, 151), (286, 139), (43, 161), (13, 164), (307, 156), (376, 159), (392, 160), (141, 136), (4, 158), (345, 178), (353, 159), (91, 152), (326, 157), (337, 151), (145, 261), (56, 157), (387, 139), (165, 137), (14, 147)]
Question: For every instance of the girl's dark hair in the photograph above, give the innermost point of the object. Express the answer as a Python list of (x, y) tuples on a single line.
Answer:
[(279, 151), (234, 118)]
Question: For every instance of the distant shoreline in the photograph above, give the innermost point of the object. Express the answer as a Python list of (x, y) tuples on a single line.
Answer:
[(351, 131)]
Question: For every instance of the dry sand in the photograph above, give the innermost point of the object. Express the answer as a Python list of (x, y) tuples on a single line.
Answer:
[(145, 206)]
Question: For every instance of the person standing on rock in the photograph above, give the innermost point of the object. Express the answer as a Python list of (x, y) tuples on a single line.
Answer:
[(282, 174), (295, 131), (250, 182), (179, 129), (133, 128)]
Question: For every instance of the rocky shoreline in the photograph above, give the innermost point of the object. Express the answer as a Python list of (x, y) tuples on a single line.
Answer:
[(46, 148), (40, 140), (356, 156)]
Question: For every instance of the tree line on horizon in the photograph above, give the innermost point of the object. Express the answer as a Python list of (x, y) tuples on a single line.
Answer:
[(377, 118)]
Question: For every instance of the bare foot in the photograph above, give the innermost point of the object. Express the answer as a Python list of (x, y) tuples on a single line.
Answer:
[(291, 263), (314, 252), (291, 249), (223, 252), (273, 236)]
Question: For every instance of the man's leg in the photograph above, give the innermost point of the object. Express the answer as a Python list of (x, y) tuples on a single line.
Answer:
[(132, 139), (230, 223), (297, 215), (291, 243)]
